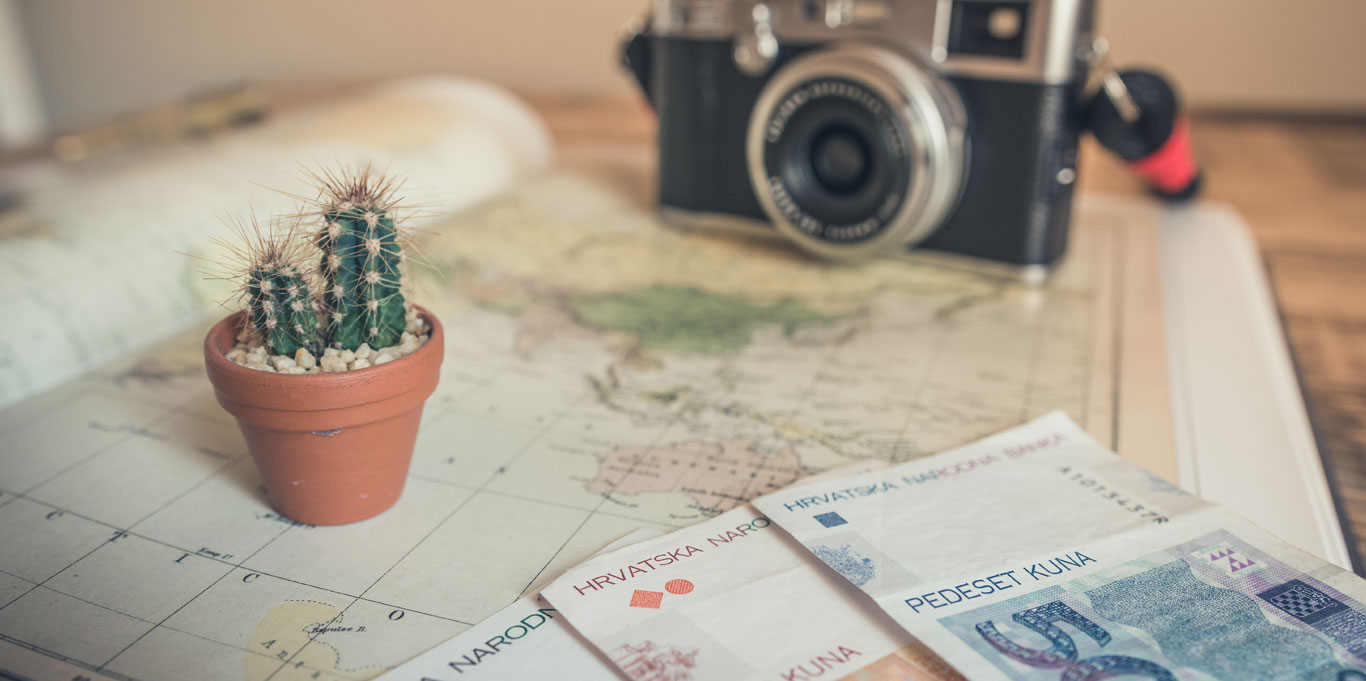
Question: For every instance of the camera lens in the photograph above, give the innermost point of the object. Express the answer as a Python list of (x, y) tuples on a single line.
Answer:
[(854, 150), (839, 158)]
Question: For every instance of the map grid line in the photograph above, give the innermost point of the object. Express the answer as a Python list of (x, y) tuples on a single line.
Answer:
[(546, 427)]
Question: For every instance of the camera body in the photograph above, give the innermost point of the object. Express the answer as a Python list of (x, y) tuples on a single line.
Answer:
[(864, 127)]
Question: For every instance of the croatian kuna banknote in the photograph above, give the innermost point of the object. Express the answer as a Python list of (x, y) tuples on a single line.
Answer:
[(1039, 555), (733, 598), (526, 640)]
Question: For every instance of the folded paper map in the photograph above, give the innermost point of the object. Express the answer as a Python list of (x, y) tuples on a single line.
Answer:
[(607, 374), (526, 640), (1038, 554), (96, 264), (733, 598)]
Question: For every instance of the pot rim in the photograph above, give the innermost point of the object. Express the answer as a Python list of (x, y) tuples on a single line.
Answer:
[(367, 379)]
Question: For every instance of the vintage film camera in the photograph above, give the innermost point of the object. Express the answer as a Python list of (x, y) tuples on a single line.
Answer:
[(863, 127)]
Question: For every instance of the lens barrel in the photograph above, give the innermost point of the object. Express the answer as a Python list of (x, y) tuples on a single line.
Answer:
[(856, 150), (839, 157)]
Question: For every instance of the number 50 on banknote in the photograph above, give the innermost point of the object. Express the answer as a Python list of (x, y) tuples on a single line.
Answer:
[(1039, 555)]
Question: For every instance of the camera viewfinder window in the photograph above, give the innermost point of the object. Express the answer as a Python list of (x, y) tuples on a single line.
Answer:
[(989, 29)]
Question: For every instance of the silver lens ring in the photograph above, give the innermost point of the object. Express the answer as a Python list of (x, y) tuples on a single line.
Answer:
[(921, 124)]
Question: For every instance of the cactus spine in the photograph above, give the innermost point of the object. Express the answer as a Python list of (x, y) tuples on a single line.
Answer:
[(362, 261), (281, 306)]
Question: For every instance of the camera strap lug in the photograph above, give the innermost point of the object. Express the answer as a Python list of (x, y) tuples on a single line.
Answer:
[(635, 53), (1136, 115), (1103, 68)]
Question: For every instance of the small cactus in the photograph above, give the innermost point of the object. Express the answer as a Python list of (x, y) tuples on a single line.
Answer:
[(362, 261), (280, 304), (354, 297)]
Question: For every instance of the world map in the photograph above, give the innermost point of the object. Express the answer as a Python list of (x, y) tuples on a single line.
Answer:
[(603, 373)]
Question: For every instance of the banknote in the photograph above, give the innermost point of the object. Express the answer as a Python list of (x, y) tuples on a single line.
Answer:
[(530, 640), (527, 640), (734, 598), (1037, 554)]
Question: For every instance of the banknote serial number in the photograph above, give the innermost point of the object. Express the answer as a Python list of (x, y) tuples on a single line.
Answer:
[(1118, 498)]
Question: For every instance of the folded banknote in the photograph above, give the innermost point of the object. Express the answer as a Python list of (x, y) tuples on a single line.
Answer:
[(734, 598), (526, 640), (1037, 554)]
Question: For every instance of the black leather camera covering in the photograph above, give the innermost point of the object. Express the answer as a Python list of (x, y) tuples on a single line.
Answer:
[(1012, 209)]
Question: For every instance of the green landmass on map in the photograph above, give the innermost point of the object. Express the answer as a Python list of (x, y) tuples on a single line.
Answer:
[(688, 320)]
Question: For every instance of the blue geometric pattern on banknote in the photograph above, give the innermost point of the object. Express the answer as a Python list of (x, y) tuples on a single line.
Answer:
[(1051, 635), (1303, 602), (846, 561), (1155, 613), (1321, 611), (1291, 593), (1215, 630), (1348, 628), (831, 519)]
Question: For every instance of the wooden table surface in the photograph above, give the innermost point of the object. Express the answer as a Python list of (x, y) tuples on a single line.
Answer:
[(1297, 182), (1299, 185)]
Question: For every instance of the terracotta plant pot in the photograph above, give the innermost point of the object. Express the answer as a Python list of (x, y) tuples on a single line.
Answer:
[(331, 448)]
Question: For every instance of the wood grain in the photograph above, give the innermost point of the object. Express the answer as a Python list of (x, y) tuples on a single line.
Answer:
[(1299, 184)]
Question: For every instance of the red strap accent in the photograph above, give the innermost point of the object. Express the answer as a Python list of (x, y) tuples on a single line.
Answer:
[(1172, 167)]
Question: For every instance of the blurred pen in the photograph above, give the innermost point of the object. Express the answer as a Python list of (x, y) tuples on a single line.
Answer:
[(198, 115)]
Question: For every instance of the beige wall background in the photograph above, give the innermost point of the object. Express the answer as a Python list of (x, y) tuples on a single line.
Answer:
[(95, 59)]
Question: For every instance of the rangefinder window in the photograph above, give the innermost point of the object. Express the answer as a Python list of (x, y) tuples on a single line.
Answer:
[(988, 29)]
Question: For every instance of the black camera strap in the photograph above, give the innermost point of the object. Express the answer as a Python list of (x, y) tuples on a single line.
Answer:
[(1136, 114)]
